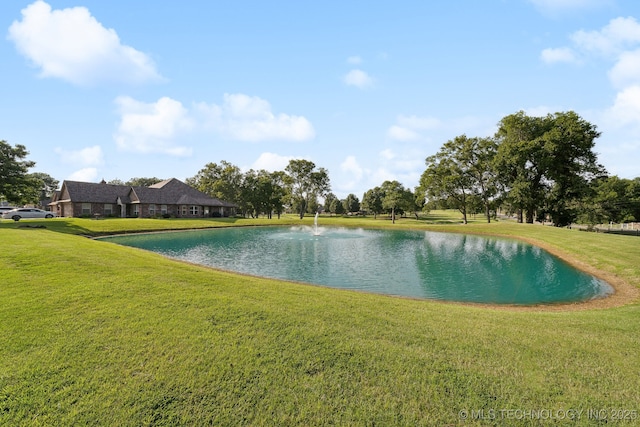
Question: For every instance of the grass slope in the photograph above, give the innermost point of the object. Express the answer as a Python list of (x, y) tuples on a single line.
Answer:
[(92, 333)]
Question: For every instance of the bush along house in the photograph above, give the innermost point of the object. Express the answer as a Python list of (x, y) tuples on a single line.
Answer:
[(169, 198)]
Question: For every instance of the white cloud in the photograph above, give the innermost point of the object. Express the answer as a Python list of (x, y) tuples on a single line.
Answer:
[(562, 54), (404, 161), (358, 78), (351, 166), (627, 70), (617, 36), (89, 156), (400, 133), (409, 128), (387, 154), (149, 128), (619, 145), (249, 118), (155, 127), (84, 175), (271, 162), (382, 174), (431, 129), (618, 42), (404, 165), (626, 108), (352, 177), (72, 45)]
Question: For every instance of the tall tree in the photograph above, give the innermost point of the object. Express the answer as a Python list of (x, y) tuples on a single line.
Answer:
[(16, 186), (306, 183), (546, 163), (223, 181), (251, 200), (44, 185), (337, 206), (278, 192), (521, 163), (460, 174), (633, 199), (372, 201), (412, 203), (572, 164), (612, 199), (329, 201), (420, 201), (479, 155), (262, 193), (450, 178), (605, 202), (351, 204), (394, 198)]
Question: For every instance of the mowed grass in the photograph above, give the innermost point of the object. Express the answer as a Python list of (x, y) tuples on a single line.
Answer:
[(92, 333)]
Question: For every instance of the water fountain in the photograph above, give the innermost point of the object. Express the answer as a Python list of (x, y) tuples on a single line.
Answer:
[(315, 226)]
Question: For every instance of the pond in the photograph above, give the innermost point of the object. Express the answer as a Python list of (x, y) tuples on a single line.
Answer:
[(419, 264)]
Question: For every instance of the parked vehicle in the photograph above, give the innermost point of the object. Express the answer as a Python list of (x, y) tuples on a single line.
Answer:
[(4, 209), (18, 213)]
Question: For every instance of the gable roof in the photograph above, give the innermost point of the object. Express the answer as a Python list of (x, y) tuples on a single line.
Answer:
[(180, 193), (168, 192), (89, 192)]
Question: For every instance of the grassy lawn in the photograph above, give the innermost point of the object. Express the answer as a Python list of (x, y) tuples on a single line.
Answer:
[(92, 333)]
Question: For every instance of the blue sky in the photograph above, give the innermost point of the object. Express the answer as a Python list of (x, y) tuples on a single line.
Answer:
[(365, 89)]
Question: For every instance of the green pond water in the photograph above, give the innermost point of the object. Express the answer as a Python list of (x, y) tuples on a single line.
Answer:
[(420, 264)]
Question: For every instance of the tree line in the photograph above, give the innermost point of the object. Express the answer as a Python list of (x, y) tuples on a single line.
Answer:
[(534, 168), (301, 187)]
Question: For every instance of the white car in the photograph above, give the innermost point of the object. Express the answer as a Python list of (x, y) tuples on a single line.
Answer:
[(4, 209), (19, 213)]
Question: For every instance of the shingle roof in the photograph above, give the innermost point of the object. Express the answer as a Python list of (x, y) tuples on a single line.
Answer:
[(168, 192), (89, 192), (183, 194)]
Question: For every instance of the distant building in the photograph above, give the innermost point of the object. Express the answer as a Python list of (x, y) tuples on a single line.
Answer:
[(171, 197)]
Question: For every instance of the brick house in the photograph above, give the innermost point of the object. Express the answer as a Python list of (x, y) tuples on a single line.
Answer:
[(167, 198)]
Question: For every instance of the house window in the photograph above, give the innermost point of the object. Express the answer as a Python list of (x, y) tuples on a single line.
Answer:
[(163, 209), (86, 209), (184, 210), (136, 210), (152, 210), (108, 209), (193, 210)]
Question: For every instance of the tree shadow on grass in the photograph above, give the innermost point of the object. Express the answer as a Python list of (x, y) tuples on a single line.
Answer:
[(107, 226)]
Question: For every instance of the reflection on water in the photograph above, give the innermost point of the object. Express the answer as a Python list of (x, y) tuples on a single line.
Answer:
[(500, 271), (445, 266)]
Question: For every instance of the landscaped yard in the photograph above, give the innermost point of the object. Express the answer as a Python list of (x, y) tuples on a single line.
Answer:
[(92, 333)]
